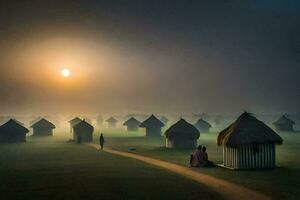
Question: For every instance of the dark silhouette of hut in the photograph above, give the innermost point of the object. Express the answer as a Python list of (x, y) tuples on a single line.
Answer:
[(132, 124), (164, 120), (153, 126), (112, 122), (284, 124), (12, 131), (182, 135), (248, 144), (74, 121), (202, 125), (43, 128), (84, 131)]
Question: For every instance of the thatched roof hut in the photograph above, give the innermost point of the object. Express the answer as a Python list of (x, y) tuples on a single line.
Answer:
[(153, 126), (84, 131), (182, 135), (112, 122), (43, 128), (74, 121), (284, 124), (202, 125), (12, 131), (248, 143), (132, 124)]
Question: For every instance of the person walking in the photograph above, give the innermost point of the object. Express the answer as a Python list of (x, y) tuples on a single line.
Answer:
[(101, 141)]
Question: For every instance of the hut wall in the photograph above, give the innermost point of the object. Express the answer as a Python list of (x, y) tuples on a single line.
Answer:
[(10, 138), (112, 125), (86, 134), (181, 143), (153, 131), (42, 131), (284, 127), (259, 156), (132, 128)]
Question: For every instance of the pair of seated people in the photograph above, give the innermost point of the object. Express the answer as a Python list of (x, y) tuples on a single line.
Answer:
[(200, 158)]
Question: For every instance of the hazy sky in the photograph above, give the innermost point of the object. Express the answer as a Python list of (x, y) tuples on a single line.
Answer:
[(149, 56)]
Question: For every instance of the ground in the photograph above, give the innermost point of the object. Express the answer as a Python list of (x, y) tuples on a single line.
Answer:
[(280, 183), (51, 168)]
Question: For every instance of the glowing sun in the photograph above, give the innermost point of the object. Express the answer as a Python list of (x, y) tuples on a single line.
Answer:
[(65, 72)]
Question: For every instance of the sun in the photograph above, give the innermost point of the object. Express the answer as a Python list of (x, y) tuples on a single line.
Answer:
[(65, 72)]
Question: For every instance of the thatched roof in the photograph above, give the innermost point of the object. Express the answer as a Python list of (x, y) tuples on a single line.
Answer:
[(111, 120), (84, 125), (283, 120), (164, 119), (152, 121), (182, 129), (132, 121), (13, 127), (75, 120), (43, 123), (202, 123), (247, 130)]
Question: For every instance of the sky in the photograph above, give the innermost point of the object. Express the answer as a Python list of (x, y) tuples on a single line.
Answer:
[(165, 56)]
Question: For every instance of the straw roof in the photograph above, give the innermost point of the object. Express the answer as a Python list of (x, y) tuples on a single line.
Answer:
[(13, 126), (283, 120), (111, 120), (164, 119), (152, 121), (75, 120), (43, 123), (83, 124), (202, 123), (183, 130), (132, 121), (247, 130)]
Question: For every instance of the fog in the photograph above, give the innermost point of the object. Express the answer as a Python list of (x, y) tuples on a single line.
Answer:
[(176, 57)]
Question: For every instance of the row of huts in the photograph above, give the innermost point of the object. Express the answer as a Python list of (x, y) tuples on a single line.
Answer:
[(247, 143)]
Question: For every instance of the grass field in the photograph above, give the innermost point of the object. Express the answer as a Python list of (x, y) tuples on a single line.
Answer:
[(51, 168), (280, 183)]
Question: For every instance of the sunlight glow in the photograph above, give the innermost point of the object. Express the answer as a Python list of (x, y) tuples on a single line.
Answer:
[(65, 72)]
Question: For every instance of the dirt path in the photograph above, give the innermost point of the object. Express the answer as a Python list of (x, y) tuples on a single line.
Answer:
[(225, 188)]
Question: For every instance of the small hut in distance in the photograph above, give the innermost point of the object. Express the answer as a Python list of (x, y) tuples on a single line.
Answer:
[(248, 144), (12, 131), (132, 124), (84, 131), (43, 128), (112, 122), (182, 135), (202, 125), (284, 124), (153, 126), (74, 121)]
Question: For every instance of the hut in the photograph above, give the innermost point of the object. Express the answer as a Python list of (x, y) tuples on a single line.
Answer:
[(248, 144), (153, 126), (43, 128), (284, 124), (84, 130), (202, 125), (74, 121), (12, 131), (112, 122), (182, 135), (132, 124), (164, 120)]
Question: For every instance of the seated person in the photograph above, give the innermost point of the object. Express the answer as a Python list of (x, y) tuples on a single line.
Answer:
[(207, 163), (197, 158)]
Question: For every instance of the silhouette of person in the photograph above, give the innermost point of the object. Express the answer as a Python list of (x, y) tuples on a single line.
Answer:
[(101, 141)]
